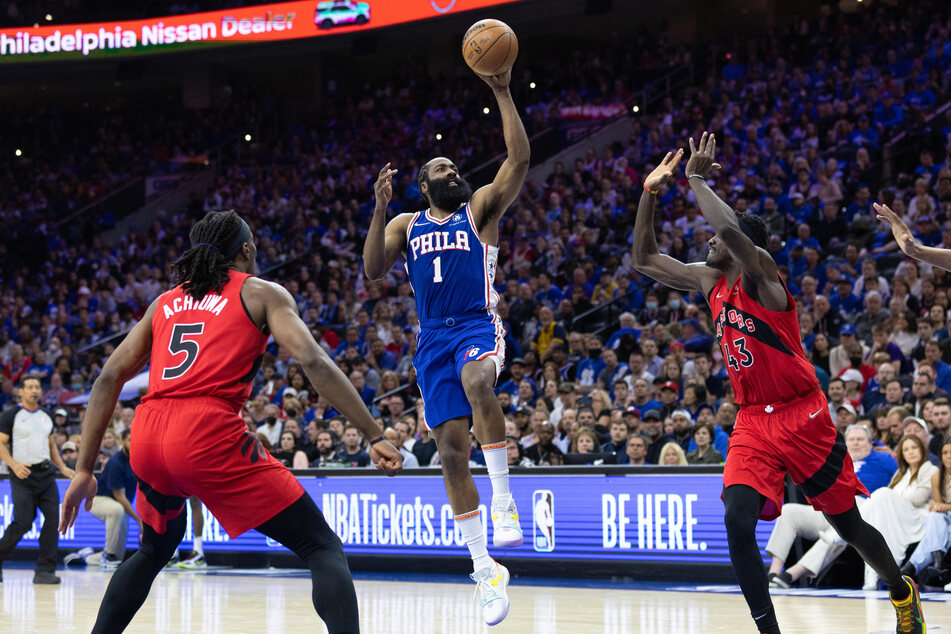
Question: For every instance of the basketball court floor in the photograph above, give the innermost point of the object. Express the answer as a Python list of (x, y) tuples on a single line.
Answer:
[(228, 601)]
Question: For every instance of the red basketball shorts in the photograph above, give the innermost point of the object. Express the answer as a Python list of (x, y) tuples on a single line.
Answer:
[(199, 446), (798, 437)]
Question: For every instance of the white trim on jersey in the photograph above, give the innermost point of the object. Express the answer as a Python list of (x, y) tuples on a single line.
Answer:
[(409, 227), (490, 293), (444, 220), (498, 354)]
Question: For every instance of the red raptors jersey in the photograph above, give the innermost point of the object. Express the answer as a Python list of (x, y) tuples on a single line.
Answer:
[(761, 347), (208, 347)]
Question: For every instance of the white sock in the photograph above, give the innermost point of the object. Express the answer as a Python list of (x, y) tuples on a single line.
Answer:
[(496, 461), (175, 555), (471, 526), (198, 548)]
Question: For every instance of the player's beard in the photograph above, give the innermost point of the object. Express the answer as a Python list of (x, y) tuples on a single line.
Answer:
[(443, 196)]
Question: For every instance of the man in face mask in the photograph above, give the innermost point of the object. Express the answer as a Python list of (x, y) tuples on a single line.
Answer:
[(272, 425), (674, 311), (651, 312), (839, 357), (856, 362), (590, 368)]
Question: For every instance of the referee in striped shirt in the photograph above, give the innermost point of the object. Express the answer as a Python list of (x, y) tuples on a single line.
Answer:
[(29, 429)]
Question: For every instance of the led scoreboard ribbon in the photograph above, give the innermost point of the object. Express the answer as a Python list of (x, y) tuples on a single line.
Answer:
[(261, 23)]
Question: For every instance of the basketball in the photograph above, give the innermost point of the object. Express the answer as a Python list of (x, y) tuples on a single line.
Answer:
[(490, 47)]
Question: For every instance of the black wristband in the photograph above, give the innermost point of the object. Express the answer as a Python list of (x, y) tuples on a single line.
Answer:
[(376, 440)]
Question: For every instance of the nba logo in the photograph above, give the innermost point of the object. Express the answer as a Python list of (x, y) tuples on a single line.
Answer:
[(543, 515)]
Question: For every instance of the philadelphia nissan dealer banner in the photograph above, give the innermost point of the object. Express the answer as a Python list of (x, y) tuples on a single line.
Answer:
[(631, 517), (262, 23)]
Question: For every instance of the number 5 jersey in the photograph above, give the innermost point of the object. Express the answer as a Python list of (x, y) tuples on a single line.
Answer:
[(761, 348), (207, 347)]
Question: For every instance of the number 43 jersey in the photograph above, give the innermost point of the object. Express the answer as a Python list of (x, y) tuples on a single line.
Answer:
[(208, 347), (450, 268), (761, 348)]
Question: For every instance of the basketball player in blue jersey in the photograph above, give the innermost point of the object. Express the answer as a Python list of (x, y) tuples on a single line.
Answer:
[(451, 250)]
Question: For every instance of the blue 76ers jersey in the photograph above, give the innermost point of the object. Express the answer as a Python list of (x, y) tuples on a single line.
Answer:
[(450, 268)]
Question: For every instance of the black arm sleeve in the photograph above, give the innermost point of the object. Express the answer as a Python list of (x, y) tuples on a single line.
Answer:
[(6, 421)]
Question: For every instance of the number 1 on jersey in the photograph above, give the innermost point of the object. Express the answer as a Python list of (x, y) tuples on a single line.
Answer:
[(437, 276)]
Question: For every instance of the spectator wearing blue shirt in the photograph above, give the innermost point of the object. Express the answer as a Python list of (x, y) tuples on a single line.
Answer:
[(642, 397), (926, 167), (942, 369), (113, 504), (801, 211), (627, 296), (721, 440), (611, 370), (862, 205), (365, 391), (888, 114), (590, 369), (694, 338), (380, 358), (864, 135), (548, 293), (627, 322), (351, 340), (921, 96), (517, 372), (797, 262), (352, 454)]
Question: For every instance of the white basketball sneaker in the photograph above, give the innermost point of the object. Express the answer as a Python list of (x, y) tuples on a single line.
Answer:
[(506, 531), (491, 585)]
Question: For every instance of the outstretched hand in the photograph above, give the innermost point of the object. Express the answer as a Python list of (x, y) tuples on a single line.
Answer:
[(663, 172), (903, 235), (702, 157), (383, 188)]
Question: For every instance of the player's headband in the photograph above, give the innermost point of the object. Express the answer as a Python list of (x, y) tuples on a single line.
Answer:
[(243, 236)]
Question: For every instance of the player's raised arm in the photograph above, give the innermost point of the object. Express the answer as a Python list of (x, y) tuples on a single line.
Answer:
[(758, 267), (910, 245), (384, 243), (292, 334), (493, 199), (123, 364), (647, 258)]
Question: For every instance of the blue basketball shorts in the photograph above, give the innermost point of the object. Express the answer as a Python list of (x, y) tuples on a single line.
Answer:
[(444, 346)]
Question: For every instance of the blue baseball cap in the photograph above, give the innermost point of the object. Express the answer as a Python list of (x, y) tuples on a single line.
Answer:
[(847, 329), (693, 322)]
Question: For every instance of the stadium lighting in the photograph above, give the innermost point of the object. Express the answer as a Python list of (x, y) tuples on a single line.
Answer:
[(18, 152), (485, 110), (49, 18), (532, 85), (636, 109), (247, 137), (438, 136)]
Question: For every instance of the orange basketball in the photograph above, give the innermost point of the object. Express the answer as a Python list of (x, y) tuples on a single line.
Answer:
[(490, 47)]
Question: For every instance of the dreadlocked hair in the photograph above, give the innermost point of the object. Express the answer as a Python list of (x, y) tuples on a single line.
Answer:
[(756, 226), (204, 268)]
